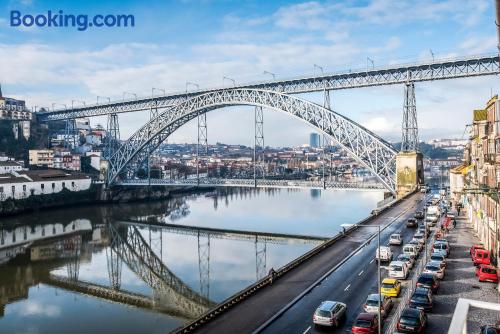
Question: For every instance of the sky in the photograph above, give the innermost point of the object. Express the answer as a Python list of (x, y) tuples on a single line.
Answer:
[(173, 42)]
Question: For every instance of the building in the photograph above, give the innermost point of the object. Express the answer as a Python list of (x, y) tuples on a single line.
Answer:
[(18, 185), (9, 166), (12, 109), (314, 140), (21, 129), (481, 175), (41, 158)]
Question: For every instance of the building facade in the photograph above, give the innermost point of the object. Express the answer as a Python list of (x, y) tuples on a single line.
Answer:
[(28, 183), (41, 158), (9, 166), (476, 183), (12, 109)]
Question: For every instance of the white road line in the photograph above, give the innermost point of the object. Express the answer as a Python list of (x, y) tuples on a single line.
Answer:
[(361, 272), (372, 260), (307, 330), (347, 287)]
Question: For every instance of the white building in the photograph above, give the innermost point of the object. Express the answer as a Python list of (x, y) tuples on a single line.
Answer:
[(9, 166), (27, 183)]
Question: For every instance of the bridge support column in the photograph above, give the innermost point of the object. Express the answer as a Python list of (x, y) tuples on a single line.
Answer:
[(409, 126), (260, 258), (258, 148), (204, 264), (202, 141), (409, 172), (113, 135), (327, 105), (70, 133), (114, 263)]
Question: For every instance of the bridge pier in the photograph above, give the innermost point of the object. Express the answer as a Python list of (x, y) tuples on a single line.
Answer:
[(409, 125), (70, 132), (202, 140), (409, 172), (204, 264), (258, 148)]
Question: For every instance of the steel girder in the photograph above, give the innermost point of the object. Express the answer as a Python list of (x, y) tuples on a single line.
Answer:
[(370, 150), (436, 70), (252, 183), (141, 259)]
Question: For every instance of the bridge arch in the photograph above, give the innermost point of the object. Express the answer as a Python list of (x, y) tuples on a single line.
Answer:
[(363, 145)]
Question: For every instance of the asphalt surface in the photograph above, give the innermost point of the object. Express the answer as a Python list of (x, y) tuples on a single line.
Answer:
[(351, 283)]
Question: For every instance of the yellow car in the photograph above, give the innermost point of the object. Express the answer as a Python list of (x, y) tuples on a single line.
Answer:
[(391, 287)]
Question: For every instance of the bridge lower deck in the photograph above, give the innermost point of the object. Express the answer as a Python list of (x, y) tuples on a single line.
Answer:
[(251, 313)]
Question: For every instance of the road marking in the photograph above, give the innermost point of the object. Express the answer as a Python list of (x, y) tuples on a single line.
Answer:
[(361, 272), (307, 330), (347, 287), (372, 261)]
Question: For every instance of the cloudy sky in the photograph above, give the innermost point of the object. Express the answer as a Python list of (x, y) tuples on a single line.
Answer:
[(201, 41)]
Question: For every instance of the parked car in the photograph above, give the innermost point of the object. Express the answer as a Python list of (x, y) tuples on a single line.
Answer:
[(412, 321), (422, 228), (410, 250), (408, 259), (398, 269), (371, 304), (419, 215), (412, 222), (428, 280), (395, 239), (487, 273), (441, 252), (391, 287), (422, 299), (434, 268), (385, 254), (438, 257), (365, 323), (482, 256), (443, 240), (329, 313), (473, 250)]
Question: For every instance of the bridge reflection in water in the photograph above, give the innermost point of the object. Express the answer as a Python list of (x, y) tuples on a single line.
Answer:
[(136, 244)]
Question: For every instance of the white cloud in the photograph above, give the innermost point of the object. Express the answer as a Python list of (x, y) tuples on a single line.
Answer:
[(381, 125), (30, 308)]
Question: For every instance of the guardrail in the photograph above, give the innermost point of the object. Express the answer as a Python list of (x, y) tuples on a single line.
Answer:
[(244, 294)]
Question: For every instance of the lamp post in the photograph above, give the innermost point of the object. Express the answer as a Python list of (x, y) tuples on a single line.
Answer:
[(270, 73), (230, 79)]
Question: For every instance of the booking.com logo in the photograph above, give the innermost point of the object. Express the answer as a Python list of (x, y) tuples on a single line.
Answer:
[(59, 19)]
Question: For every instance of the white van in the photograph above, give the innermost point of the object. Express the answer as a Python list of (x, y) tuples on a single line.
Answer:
[(385, 254), (398, 269), (410, 250)]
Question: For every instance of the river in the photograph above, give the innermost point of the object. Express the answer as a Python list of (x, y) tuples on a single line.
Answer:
[(135, 268)]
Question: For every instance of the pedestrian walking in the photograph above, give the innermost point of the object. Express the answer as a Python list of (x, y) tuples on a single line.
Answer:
[(454, 223), (272, 275)]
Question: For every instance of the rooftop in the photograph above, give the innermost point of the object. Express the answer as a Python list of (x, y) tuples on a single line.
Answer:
[(40, 175)]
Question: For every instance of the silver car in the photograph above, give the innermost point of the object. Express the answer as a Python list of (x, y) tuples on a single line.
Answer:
[(409, 259), (435, 268), (371, 304), (330, 313)]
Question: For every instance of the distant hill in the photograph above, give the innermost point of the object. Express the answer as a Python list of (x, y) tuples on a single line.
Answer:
[(434, 152)]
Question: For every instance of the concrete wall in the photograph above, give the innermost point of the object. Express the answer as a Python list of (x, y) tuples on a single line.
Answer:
[(28, 188), (409, 172)]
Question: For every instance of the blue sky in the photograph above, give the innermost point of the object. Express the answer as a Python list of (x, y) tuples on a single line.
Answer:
[(202, 41)]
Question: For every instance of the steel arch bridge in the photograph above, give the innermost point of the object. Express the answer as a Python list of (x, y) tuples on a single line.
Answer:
[(370, 150)]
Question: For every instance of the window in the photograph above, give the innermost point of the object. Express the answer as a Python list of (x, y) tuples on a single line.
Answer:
[(64, 184), (13, 190), (53, 186), (42, 186), (73, 184), (1, 189), (24, 187)]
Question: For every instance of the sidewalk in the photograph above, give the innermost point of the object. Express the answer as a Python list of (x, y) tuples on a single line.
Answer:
[(460, 282)]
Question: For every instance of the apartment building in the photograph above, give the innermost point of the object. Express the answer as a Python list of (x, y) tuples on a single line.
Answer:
[(476, 182), (41, 158)]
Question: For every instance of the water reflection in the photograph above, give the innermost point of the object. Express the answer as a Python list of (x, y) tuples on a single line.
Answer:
[(167, 261)]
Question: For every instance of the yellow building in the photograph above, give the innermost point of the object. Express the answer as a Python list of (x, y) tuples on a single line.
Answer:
[(41, 158)]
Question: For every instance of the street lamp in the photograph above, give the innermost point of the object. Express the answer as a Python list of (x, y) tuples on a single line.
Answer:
[(320, 68), (103, 97), (369, 60), (129, 93), (227, 78), (73, 102), (192, 84), (270, 73)]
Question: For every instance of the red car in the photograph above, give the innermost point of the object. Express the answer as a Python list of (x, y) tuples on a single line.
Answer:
[(487, 273), (481, 256), (365, 323), (473, 249)]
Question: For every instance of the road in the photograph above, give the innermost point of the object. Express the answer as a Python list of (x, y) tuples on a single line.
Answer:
[(351, 284), (252, 312)]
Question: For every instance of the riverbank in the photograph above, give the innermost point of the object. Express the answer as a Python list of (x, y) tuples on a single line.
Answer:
[(96, 194)]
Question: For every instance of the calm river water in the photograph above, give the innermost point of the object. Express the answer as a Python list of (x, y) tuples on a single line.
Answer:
[(114, 269)]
